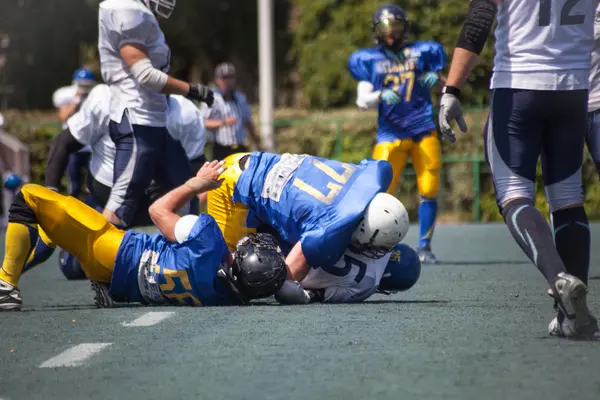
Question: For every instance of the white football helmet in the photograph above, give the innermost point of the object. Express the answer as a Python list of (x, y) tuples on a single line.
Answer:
[(384, 224), (163, 8)]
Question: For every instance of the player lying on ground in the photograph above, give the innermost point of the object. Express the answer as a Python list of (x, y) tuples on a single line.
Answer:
[(538, 108), (317, 209), (189, 264), (355, 278), (396, 78), (89, 127)]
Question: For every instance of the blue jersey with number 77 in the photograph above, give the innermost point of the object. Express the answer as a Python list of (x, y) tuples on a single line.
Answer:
[(311, 200)]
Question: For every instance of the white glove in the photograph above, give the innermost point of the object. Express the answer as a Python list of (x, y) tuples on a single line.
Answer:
[(451, 110)]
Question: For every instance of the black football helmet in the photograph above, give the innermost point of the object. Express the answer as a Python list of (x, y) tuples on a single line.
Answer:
[(390, 26), (258, 268)]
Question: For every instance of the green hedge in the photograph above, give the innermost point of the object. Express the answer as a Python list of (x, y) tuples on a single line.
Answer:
[(302, 131)]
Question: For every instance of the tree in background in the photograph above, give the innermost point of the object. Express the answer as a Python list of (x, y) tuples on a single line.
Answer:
[(50, 39), (326, 32)]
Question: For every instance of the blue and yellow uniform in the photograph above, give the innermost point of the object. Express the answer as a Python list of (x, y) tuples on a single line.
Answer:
[(315, 201), (138, 267), (406, 128)]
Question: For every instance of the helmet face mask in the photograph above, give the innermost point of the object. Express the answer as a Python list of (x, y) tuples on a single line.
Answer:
[(390, 27), (368, 250), (162, 8), (390, 32)]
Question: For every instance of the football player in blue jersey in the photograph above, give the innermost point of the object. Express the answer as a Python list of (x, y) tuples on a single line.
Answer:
[(396, 77), (319, 208), (188, 264)]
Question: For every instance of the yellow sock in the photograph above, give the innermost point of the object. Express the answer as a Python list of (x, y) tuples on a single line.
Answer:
[(20, 242)]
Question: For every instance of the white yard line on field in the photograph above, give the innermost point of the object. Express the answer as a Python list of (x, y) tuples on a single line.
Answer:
[(74, 356), (149, 319)]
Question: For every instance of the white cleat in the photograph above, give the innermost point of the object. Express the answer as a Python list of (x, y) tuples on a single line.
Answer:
[(574, 319), (10, 297)]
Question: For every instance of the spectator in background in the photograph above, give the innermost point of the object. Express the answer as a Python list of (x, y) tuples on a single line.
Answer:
[(230, 120), (67, 101)]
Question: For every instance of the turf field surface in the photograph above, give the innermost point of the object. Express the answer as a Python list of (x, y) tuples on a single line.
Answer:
[(474, 327)]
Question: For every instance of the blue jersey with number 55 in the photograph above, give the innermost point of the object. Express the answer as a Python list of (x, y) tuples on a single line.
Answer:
[(414, 113), (153, 270), (313, 200)]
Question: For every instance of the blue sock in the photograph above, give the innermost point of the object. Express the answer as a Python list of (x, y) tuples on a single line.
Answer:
[(427, 215)]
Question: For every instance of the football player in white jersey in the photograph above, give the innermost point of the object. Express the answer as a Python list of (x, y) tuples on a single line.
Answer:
[(89, 127), (354, 278), (593, 138), (135, 58), (538, 108), (67, 101)]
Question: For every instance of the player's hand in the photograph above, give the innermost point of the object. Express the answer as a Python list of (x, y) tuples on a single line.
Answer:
[(450, 110), (201, 93), (230, 121), (212, 170), (208, 177), (390, 96), (429, 79)]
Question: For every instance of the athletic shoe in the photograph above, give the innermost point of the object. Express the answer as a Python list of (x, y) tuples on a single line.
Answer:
[(574, 319), (426, 255), (101, 296), (10, 297)]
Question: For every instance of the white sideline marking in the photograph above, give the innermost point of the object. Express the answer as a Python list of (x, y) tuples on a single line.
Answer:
[(75, 356), (150, 318)]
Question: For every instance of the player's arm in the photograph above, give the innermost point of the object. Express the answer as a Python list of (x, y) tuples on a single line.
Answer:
[(164, 210), (135, 56), (472, 39), (64, 112), (298, 266), (474, 34), (366, 96), (58, 158)]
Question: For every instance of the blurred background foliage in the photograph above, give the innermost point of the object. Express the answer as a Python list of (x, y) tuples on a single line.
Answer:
[(315, 93)]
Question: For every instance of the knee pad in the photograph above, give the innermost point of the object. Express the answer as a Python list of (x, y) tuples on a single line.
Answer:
[(69, 266), (429, 184), (565, 193)]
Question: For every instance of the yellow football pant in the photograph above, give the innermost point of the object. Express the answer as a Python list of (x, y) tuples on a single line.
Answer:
[(230, 216), (426, 156), (68, 223)]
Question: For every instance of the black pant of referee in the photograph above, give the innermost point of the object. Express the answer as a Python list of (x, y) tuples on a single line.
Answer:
[(220, 152)]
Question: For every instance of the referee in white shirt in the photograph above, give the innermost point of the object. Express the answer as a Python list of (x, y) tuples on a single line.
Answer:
[(230, 119)]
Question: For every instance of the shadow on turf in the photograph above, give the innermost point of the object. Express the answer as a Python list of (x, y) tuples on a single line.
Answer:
[(486, 262), (76, 307)]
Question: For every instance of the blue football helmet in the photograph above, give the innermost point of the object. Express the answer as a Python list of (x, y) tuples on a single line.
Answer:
[(84, 77), (390, 26), (69, 266), (12, 181), (403, 270)]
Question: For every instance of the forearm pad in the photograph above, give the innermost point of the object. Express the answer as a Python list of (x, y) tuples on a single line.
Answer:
[(477, 25), (58, 158)]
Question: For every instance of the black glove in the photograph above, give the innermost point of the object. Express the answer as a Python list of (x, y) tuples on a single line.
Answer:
[(202, 93), (316, 295)]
